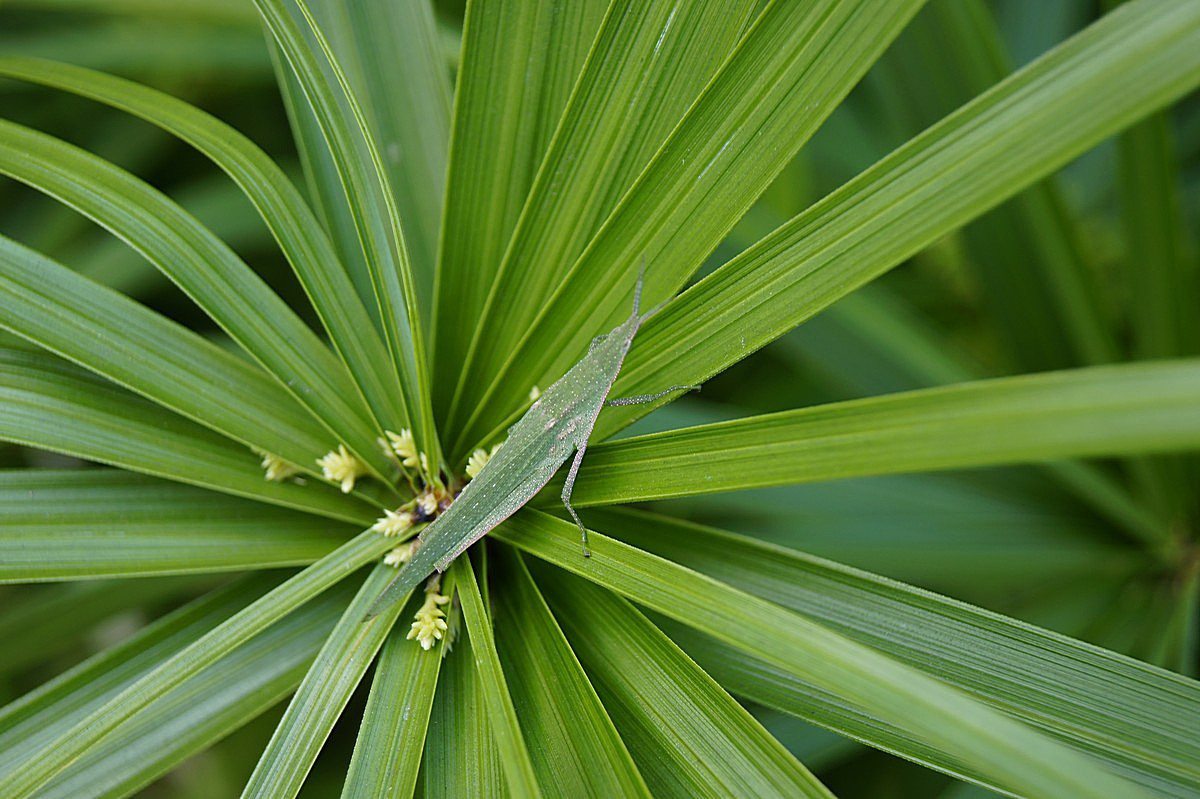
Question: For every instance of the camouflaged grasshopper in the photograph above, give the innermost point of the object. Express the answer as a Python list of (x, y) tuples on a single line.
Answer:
[(558, 423)]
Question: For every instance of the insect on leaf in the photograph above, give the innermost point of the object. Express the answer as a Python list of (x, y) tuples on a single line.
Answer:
[(558, 423)]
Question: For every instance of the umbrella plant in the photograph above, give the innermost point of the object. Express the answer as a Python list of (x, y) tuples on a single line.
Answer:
[(471, 216)]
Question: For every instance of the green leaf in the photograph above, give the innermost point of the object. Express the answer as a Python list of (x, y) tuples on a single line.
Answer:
[(460, 756), (42, 623), (1004, 751), (114, 336), (374, 41), (282, 208), (89, 524), (344, 658), (802, 58), (1134, 717), (204, 267), (959, 533), (387, 754), (648, 64), (523, 60), (1101, 410), (689, 736), (185, 720), (1157, 272), (225, 12), (1127, 64), (1036, 273), (1159, 279), (371, 200), (51, 404), (578, 751), (37, 717), (101, 723), (506, 731), (165, 49)]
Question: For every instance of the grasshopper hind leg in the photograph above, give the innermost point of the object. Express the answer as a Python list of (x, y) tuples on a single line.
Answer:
[(568, 487)]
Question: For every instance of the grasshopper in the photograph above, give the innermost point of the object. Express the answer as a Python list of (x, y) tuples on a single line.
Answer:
[(558, 423)]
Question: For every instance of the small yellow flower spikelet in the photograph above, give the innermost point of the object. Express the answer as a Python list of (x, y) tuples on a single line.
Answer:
[(428, 503), (404, 446), (277, 469), (342, 467), (477, 461), (399, 556), (534, 393), (479, 458), (394, 522), (430, 624)]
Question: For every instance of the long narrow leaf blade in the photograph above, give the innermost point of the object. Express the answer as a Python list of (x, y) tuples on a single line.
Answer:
[(1011, 754), (71, 744), (391, 739), (370, 199), (506, 730), (691, 738), (89, 524), (648, 64), (1136, 59), (294, 226), (204, 267), (51, 404), (1101, 410), (341, 663), (1138, 719), (579, 753), (803, 57), (524, 60), (110, 334)]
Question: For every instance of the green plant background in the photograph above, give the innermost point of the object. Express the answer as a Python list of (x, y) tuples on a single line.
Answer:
[(928, 530)]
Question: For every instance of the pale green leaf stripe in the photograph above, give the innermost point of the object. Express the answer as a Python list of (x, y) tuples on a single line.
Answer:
[(90, 524), (192, 717), (387, 754), (1005, 751), (310, 716), (1136, 59), (579, 753), (649, 62), (524, 59), (371, 200), (460, 757), (286, 214), (1139, 719), (375, 41), (802, 57), (206, 269), (101, 723), (108, 333), (1100, 410), (506, 731), (51, 404), (690, 737)]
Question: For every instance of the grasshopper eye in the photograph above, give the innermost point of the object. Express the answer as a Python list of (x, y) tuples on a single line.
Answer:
[(597, 341)]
